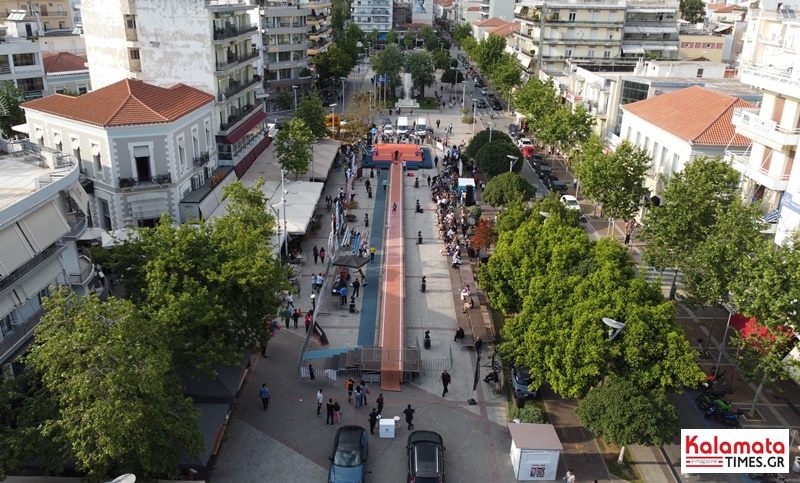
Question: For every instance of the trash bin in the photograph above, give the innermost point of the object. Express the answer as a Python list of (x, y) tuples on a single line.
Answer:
[(386, 427)]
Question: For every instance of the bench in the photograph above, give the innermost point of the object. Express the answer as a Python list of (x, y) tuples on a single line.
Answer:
[(468, 342)]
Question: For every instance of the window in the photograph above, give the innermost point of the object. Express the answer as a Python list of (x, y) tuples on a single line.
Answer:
[(591, 52), (699, 72), (134, 54), (568, 53), (98, 162), (141, 159), (182, 157), (628, 136), (130, 21), (646, 142), (60, 91), (607, 54), (21, 60), (105, 215), (82, 90), (638, 138), (195, 143), (572, 16)]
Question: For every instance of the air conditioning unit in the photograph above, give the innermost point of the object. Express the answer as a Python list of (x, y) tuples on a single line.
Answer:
[(196, 182)]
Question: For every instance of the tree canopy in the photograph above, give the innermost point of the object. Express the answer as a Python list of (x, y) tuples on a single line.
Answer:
[(693, 11), (506, 73), (293, 146), (621, 412), (10, 112), (462, 31), (614, 179), (481, 138), (508, 188), (390, 61), (536, 100), (420, 66), (333, 64), (312, 112), (452, 76), (493, 159), (489, 52)]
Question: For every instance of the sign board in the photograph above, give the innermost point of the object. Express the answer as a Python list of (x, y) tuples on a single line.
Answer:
[(757, 124), (421, 12)]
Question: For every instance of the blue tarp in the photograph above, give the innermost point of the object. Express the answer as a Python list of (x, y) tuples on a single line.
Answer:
[(384, 36)]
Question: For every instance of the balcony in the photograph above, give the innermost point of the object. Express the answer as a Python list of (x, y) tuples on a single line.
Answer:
[(748, 123), (145, 181), (741, 162), (86, 269), (236, 87), (780, 80), (233, 60), (232, 31), (286, 64), (19, 335), (201, 160), (236, 116), (77, 225)]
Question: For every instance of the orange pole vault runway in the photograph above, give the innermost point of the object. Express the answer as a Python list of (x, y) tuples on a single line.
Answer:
[(392, 325)]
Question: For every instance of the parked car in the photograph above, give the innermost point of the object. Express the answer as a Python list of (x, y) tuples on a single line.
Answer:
[(544, 171), (349, 455), (521, 379), (558, 186), (338, 283), (481, 104), (571, 203), (484, 91), (513, 129), (496, 105), (425, 457), (490, 96), (524, 142), (388, 130)]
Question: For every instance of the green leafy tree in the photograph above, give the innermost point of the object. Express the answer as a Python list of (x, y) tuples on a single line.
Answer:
[(210, 287), (693, 11), (622, 413), (691, 202), (311, 111), (480, 139), (441, 59), (409, 40), (349, 42), (462, 31), (489, 51), (485, 235), (768, 289), (333, 64), (390, 61), (391, 38), (469, 45), (420, 65), (11, 114), (452, 76), (111, 374), (508, 188), (493, 159), (614, 179), (506, 74), (293, 146), (536, 100)]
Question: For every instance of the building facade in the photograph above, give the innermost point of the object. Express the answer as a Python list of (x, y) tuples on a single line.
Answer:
[(43, 215), (215, 47), (33, 19), (502, 9), (147, 150), (320, 32), (65, 73), (21, 63), (372, 15), (771, 62)]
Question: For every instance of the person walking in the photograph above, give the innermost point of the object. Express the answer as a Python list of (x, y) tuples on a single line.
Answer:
[(478, 346), (349, 385), (309, 318), (379, 401), (409, 417), (364, 392), (569, 477), (337, 412), (329, 412), (356, 286), (287, 316), (394, 209), (289, 301), (296, 317), (319, 401), (311, 373), (343, 293), (372, 253), (322, 255), (363, 275), (373, 420), (445, 378), (265, 396), (316, 253), (384, 183), (437, 123)]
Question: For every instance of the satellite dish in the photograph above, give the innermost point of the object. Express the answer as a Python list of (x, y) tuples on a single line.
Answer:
[(545, 214), (616, 327), (128, 478)]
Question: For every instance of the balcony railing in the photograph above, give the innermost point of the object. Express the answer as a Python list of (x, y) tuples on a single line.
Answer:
[(77, 227), (232, 31), (34, 262), (235, 59), (741, 162), (236, 116), (749, 120), (20, 332), (87, 269), (145, 181), (202, 159), (237, 86)]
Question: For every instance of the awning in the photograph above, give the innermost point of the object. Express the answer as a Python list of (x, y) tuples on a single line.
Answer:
[(632, 49), (659, 47), (93, 233), (249, 124), (118, 237), (21, 128), (518, 8), (351, 261), (16, 250), (383, 36), (44, 226), (6, 305), (324, 154), (301, 202), (721, 28), (41, 278)]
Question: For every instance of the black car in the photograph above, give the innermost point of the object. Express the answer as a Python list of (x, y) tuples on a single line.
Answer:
[(425, 457), (496, 105), (481, 104), (544, 169), (513, 129), (338, 283), (349, 455), (558, 186)]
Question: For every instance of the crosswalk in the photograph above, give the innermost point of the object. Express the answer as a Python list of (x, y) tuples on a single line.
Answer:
[(651, 273)]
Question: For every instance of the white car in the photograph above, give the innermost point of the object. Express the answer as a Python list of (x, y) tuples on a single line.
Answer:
[(387, 129), (571, 203), (485, 90), (524, 142)]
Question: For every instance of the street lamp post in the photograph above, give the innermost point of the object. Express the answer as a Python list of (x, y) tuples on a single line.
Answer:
[(474, 115), (344, 79), (312, 159), (294, 88), (283, 201), (513, 160), (333, 118), (314, 302), (491, 128)]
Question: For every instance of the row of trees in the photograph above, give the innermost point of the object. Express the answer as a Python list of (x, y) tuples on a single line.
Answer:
[(101, 391), (490, 55)]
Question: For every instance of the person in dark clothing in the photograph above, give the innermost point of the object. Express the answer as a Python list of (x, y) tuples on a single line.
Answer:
[(296, 317), (373, 420), (379, 401), (445, 378), (478, 345), (316, 253), (409, 417), (356, 286), (329, 412)]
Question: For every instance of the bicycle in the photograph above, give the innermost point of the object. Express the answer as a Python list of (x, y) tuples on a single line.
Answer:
[(702, 350)]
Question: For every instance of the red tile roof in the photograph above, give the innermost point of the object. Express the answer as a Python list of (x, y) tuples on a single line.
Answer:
[(124, 103), (695, 114), (473, 9), (59, 62), (491, 22), (504, 30), (727, 9)]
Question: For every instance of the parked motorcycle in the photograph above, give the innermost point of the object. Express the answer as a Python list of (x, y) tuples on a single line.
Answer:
[(767, 477), (727, 418), (706, 400)]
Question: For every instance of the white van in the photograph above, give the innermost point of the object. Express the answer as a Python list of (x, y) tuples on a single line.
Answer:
[(422, 128), (402, 125)]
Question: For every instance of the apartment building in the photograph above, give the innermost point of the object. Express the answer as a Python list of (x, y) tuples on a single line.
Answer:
[(503, 9), (44, 212), (214, 47), (320, 33), (285, 27), (770, 61), (372, 15), (33, 19), (651, 29)]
